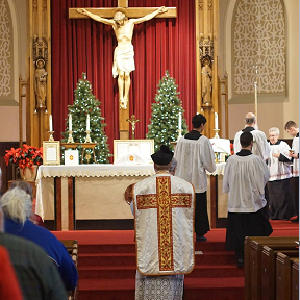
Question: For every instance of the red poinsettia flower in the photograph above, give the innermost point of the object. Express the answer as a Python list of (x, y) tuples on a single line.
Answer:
[(25, 157)]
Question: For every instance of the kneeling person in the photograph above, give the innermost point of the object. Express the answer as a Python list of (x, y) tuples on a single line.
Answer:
[(244, 179), (163, 207)]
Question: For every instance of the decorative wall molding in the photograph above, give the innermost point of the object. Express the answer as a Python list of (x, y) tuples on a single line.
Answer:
[(259, 39), (5, 36)]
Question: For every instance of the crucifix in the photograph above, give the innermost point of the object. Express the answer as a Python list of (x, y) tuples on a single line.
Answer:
[(164, 202), (132, 121), (123, 64)]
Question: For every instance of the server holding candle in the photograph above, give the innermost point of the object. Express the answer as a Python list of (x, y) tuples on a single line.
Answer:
[(194, 156)]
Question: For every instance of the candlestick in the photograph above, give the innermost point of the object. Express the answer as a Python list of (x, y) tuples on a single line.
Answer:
[(51, 139), (50, 123), (70, 122), (179, 122), (216, 121), (88, 123), (88, 137), (70, 138)]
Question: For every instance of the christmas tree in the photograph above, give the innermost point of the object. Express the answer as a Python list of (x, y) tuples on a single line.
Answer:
[(84, 104), (165, 114)]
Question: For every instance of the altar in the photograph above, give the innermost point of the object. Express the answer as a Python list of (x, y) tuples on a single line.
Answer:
[(86, 193), (67, 194)]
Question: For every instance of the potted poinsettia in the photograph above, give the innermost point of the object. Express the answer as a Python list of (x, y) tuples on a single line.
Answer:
[(26, 158)]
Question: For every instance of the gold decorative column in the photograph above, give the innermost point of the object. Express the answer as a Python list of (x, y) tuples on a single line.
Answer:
[(38, 108), (207, 24)]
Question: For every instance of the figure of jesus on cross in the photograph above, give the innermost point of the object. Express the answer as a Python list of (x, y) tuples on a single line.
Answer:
[(123, 56)]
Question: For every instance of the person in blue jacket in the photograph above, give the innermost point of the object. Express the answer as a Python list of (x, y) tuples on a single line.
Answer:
[(16, 206)]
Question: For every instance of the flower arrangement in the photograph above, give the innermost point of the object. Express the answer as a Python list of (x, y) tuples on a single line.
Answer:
[(25, 157), (231, 149)]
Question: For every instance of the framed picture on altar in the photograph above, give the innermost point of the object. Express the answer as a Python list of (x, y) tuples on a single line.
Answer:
[(133, 152), (51, 153)]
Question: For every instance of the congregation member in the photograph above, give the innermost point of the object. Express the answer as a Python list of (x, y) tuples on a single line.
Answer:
[(245, 177), (163, 209), (37, 275), (292, 129), (194, 157), (260, 143), (279, 185), (16, 205), (26, 187)]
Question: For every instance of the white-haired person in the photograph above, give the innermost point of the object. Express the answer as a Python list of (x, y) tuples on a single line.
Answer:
[(279, 185), (26, 187), (16, 205), (260, 143), (36, 273)]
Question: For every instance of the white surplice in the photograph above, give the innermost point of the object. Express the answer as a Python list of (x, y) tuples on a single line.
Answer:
[(295, 147), (246, 193), (279, 169), (194, 157), (260, 143)]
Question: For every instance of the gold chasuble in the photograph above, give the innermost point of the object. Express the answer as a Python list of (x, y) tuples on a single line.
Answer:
[(164, 225)]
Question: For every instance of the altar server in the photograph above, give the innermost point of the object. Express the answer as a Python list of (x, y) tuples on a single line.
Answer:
[(163, 207), (244, 179), (194, 157), (292, 128), (279, 185), (260, 143)]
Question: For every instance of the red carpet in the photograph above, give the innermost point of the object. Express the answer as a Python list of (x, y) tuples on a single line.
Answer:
[(106, 265)]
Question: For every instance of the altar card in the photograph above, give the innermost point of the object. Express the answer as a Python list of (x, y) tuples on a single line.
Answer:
[(220, 145), (133, 152), (71, 158)]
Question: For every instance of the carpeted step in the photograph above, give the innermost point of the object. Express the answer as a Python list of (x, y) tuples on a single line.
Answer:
[(128, 259), (209, 271), (108, 289), (232, 288), (195, 289), (130, 248)]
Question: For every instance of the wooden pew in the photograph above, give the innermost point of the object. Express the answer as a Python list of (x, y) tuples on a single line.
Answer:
[(284, 276), (268, 270), (295, 280), (253, 259), (72, 247)]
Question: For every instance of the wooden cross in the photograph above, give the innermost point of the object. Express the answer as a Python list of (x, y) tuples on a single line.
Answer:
[(164, 201), (131, 12)]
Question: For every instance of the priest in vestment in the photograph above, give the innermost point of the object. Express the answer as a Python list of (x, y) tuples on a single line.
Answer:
[(279, 185), (292, 128), (163, 208), (245, 177), (194, 157), (260, 143)]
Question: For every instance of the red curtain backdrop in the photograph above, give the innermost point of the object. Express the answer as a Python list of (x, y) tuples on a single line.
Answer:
[(88, 46)]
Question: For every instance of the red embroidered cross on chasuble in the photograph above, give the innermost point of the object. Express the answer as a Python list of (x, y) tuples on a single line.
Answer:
[(165, 202)]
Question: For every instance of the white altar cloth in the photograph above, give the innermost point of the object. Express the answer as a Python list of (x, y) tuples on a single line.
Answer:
[(95, 171)]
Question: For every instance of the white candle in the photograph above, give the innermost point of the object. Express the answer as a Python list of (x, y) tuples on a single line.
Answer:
[(50, 123), (179, 121), (88, 122), (216, 121), (197, 113), (70, 122)]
